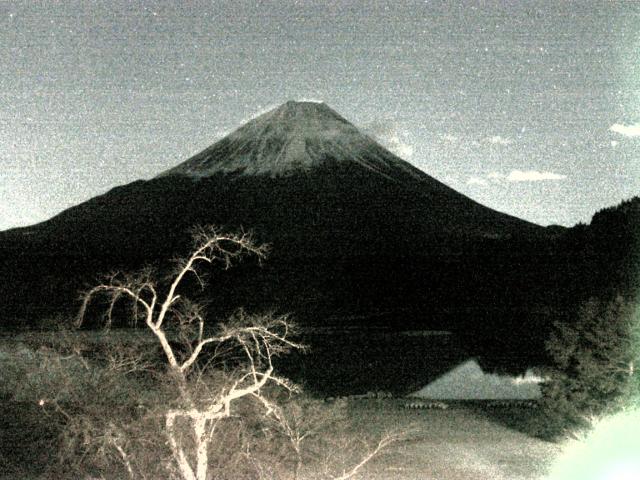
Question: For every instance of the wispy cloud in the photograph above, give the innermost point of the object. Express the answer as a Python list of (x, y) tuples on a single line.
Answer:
[(515, 176), (476, 181), (498, 140), (399, 147), (493, 140), (447, 137), (532, 176), (391, 136), (626, 130), (496, 176)]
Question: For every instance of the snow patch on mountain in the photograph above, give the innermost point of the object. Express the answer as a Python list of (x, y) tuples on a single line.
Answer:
[(296, 136)]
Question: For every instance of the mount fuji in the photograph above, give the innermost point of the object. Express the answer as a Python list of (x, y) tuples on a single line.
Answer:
[(371, 255), (306, 138), (294, 137), (357, 234)]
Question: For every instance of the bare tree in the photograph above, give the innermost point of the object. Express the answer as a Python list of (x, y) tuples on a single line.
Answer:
[(260, 339), (190, 422)]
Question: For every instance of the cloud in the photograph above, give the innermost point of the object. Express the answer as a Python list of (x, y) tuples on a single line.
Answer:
[(447, 137), (391, 136), (532, 176), (399, 147), (498, 140), (496, 176), (626, 130), (476, 181), (515, 176)]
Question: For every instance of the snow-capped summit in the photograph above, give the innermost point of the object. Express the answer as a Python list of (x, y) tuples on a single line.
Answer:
[(292, 137)]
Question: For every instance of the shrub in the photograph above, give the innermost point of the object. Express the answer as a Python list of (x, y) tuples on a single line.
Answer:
[(595, 369)]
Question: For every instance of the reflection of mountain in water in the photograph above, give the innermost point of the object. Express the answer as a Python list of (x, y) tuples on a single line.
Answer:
[(467, 381)]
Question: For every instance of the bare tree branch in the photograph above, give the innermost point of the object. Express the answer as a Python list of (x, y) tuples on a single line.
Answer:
[(260, 338), (384, 442)]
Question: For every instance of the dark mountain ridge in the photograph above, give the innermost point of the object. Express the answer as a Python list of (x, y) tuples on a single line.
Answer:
[(299, 147)]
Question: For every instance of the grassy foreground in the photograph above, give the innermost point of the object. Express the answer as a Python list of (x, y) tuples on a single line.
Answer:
[(92, 405), (65, 412)]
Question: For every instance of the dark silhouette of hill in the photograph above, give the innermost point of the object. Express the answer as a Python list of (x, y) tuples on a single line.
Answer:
[(359, 237), (602, 259)]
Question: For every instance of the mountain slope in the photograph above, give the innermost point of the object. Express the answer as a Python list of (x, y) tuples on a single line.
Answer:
[(293, 137), (298, 138), (355, 231)]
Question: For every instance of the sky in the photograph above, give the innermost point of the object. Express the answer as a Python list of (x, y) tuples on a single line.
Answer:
[(531, 108)]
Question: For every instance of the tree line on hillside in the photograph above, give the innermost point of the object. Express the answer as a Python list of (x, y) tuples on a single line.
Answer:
[(594, 350)]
